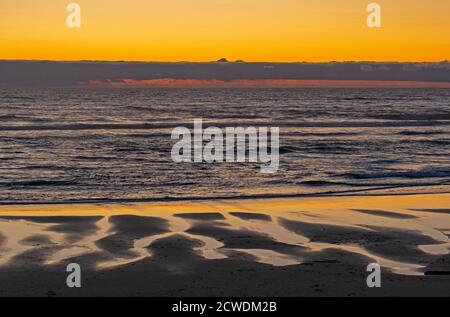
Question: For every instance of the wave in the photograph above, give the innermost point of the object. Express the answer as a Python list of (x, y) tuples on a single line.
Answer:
[(418, 133), (425, 173), (415, 117), (377, 191), (319, 183), (20, 118), (289, 149), (323, 183), (37, 183), (150, 126), (18, 97), (48, 168), (10, 117), (320, 134), (439, 142)]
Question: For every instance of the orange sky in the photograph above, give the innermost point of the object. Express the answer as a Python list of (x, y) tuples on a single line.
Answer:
[(205, 30)]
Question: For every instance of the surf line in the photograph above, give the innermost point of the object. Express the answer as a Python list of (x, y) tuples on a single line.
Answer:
[(231, 145)]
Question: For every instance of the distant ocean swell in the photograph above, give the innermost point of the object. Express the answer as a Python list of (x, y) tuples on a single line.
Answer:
[(150, 126)]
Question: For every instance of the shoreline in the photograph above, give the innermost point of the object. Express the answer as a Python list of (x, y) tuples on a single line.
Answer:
[(352, 193), (268, 204)]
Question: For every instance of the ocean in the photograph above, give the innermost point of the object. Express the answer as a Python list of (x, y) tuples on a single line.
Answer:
[(61, 145)]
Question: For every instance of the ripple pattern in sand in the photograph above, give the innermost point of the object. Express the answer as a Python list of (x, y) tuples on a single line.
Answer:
[(404, 242)]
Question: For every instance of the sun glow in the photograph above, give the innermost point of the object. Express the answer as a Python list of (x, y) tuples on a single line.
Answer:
[(201, 30)]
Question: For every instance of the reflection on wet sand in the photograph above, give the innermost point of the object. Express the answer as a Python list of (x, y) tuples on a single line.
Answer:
[(407, 239)]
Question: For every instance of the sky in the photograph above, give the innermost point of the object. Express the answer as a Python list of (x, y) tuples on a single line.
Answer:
[(206, 30)]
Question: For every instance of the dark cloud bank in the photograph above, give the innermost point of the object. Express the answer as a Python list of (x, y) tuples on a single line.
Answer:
[(47, 73)]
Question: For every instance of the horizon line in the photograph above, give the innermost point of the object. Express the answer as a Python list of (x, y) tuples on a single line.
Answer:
[(221, 60)]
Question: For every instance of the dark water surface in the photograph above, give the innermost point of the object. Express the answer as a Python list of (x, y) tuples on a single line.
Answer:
[(59, 145)]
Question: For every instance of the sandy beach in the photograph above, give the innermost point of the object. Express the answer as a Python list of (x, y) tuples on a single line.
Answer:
[(317, 246)]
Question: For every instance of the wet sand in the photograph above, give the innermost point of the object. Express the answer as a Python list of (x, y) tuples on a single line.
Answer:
[(266, 247)]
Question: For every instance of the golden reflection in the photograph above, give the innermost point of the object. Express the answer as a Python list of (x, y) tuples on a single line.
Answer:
[(252, 218)]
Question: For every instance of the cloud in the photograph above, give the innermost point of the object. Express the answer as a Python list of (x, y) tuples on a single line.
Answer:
[(368, 68), (46, 73), (261, 83)]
